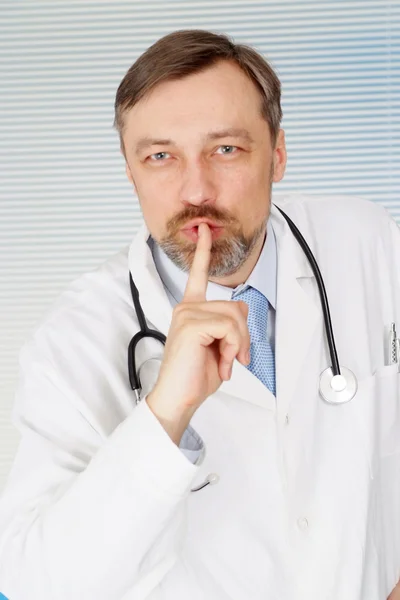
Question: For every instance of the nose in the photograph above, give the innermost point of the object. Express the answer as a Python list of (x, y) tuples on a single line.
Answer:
[(197, 185)]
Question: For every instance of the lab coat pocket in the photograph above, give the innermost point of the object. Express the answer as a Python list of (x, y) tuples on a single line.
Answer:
[(386, 370), (377, 411), (387, 410)]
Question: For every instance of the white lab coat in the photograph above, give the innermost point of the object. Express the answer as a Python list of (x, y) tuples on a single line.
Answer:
[(98, 504)]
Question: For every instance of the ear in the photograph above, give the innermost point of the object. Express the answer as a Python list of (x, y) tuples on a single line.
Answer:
[(129, 176), (279, 157), (128, 173)]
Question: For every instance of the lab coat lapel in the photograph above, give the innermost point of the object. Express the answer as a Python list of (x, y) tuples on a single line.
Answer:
[(246, 386), (153, 298), (298, 312)]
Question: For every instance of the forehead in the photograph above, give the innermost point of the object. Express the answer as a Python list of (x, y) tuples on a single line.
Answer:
[(220, 96)]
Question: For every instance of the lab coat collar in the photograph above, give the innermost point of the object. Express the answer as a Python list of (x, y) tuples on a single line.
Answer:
[(296, 315)]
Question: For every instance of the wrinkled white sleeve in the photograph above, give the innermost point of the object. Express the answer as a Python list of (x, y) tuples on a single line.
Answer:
[(82, 518)]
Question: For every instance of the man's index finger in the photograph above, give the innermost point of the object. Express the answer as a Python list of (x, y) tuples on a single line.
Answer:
[(196, 286)]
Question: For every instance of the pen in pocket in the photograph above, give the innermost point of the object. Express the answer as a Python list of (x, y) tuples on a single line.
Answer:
[(394, 347)]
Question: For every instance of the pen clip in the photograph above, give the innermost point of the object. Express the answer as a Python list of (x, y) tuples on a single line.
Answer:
[(393, 346)]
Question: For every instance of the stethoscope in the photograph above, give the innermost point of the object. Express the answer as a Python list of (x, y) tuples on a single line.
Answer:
[(337, 384)]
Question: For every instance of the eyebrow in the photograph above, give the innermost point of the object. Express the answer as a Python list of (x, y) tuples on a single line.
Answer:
[(237, 132)]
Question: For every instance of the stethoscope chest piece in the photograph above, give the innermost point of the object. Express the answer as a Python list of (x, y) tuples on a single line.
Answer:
[(337, 389)]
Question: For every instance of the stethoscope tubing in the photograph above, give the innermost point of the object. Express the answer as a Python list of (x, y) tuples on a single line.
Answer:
[(322, 293), (145, 331)]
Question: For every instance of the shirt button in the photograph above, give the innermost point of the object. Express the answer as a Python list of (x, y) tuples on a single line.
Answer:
[(287, 419), (302, 524)]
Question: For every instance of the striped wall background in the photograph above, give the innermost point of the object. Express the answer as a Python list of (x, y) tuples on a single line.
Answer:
[(65, 204)]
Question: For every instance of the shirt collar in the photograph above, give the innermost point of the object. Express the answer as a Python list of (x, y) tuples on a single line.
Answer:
[(262, 277)]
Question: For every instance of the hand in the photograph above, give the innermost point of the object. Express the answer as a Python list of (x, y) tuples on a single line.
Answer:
[(395, 595), (203, 341)]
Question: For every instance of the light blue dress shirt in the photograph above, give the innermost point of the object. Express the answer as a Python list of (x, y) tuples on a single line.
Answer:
[(263, 278)]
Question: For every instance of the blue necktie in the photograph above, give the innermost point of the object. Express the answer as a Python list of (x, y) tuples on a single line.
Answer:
[(262, 363)]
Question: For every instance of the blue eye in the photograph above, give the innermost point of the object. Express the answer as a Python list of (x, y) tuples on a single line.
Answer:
[(158, 156), (227, 149)]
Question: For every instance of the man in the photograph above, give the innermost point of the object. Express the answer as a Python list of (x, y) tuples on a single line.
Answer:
[(232, 478)]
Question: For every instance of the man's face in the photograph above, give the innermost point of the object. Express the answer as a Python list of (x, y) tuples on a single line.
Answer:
[(198, 147)]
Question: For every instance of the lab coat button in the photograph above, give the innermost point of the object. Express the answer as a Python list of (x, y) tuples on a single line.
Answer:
[(302, 524), (287, 419)]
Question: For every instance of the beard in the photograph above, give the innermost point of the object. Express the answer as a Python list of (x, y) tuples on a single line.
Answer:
[(228, 253)]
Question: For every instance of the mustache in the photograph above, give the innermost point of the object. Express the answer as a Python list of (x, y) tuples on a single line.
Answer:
[(204, 211)]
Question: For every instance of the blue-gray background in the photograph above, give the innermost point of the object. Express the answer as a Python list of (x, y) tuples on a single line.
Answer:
[(65, 204)]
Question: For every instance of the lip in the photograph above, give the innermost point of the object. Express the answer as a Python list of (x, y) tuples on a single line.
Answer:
[(196, 222), (193, 233)]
